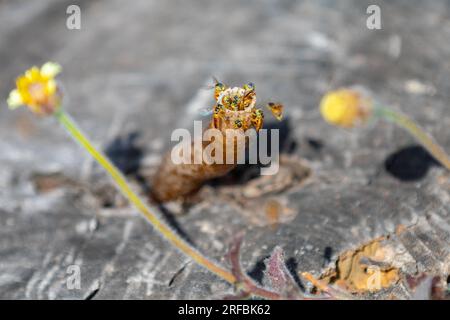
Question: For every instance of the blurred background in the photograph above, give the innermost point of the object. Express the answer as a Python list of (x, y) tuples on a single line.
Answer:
[(135, 71)]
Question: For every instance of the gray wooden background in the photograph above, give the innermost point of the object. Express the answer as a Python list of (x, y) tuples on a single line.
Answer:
[(137, 70)]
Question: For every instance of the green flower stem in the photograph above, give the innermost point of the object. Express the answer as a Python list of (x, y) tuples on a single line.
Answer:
[(422, 137), (123, 186)]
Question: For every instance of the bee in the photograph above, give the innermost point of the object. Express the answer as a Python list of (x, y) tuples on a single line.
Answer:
[(218, 89), (218, 108), (217, 114), (235, 103), (238, 123), (248, 95), (276, 109), (257, 119), (249, 86)]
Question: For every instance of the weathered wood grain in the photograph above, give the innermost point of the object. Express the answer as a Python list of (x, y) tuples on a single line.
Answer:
[(135, 68)]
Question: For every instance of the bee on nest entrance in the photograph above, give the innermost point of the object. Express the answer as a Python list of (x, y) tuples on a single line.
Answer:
[(234, 115)]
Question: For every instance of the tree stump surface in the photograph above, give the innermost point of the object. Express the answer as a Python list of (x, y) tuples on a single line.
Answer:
[(135, 72)]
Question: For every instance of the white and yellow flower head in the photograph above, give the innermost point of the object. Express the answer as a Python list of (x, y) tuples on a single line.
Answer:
[(37, 89), (345, 107)]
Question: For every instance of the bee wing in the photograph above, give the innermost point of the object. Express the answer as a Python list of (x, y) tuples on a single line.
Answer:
[(211, 86), (207, 87), (216, 81), (276, 109), (205, 112)]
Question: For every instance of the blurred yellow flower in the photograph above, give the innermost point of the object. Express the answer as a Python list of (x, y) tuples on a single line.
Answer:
[(37, 89), (345, 107)]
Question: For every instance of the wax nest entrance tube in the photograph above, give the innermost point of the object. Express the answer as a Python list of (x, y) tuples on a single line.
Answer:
[(235, 109)]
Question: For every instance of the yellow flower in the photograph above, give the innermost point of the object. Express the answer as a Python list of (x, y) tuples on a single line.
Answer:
[(37, 89), (345, 107)]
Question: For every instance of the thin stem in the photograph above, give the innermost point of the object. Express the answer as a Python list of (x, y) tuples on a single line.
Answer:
[(424, 139), (123, 186)]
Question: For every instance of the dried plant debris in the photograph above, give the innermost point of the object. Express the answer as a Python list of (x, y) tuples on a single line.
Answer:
[(292, 172), (279, 284), (278, 276), (282, 285), (364, 269), (105, 194), (262, 200), (276, 213), (358, 272), (396, 266), (427, 287), (48, 182)]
